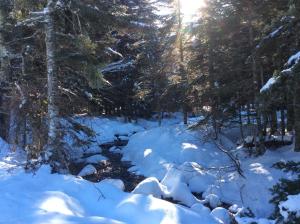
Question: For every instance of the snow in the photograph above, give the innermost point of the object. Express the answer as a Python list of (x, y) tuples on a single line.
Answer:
[(115, 182), (140, 24), (67, 199), (221, 215), (150, 186), (200, 208), (87, 170), (119, 66), (291, 205), (275, 32), (183, 163), (96, 159), (105, 130), (115, 149), (213, 200), (294, 59), (176, 162), (110, 50), (268, 85)]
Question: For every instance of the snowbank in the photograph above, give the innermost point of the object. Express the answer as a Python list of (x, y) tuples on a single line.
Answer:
[(183, 163), (51, 198)]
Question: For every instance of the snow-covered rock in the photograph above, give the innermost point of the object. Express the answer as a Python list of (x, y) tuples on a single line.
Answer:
[(115, 182), (96, 159), (221, 215), (234, 208), (150, 186), (213, 200), (115, 149), (87, 170)]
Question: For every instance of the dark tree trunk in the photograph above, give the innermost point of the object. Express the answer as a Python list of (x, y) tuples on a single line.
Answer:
[(297, 106), (273, 121), (182, 70), (282, 122)]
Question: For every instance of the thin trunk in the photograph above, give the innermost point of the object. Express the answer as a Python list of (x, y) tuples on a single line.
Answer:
[(183, 72), (248, 114), (273, 121), (260, 149), (290, 116), (282, 122), (12, 129), (241, 124), (265, 123)]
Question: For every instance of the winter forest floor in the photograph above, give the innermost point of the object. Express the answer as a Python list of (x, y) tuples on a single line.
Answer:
[(143, 173)]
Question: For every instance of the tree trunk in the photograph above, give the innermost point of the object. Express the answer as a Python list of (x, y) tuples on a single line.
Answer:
[(297, 106), (241, 124), (260, 148), (265, 123), (282, 122), (248, 114), (56, 152), (4, 70), (182, 70), (290, 116), (273, 121)]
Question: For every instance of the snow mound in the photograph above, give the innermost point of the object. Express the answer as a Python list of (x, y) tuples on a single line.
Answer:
[(183, 163), (221, 215), (52, 198), (87, 170), (213, 200), (115, 182), (200, 208), (150, 186)]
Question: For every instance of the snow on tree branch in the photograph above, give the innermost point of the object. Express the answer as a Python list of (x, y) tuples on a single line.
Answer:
[(118, 66)]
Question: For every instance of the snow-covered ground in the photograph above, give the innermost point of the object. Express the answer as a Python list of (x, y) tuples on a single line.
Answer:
[(45, 198), (175, 161), (182, 158)]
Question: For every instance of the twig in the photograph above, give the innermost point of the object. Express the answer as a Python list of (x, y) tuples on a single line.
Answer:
[(235, 160), (100, 192)]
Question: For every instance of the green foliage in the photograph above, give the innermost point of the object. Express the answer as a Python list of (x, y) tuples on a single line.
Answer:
[(94, 77)]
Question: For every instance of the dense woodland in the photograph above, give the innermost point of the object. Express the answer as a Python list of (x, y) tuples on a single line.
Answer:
[(235, 65), (60, 58)]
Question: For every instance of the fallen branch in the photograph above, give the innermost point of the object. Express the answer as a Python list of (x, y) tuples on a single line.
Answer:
[(235, 160)]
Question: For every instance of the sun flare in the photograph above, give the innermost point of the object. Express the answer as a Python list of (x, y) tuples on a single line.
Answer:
[(190, 8)]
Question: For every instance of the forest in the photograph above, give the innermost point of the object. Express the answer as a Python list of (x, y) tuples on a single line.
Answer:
[(150, 111)]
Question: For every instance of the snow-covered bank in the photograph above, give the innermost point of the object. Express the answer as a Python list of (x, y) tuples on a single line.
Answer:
[(177, 162), (52, 198), (184, 163), (46, 198)]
